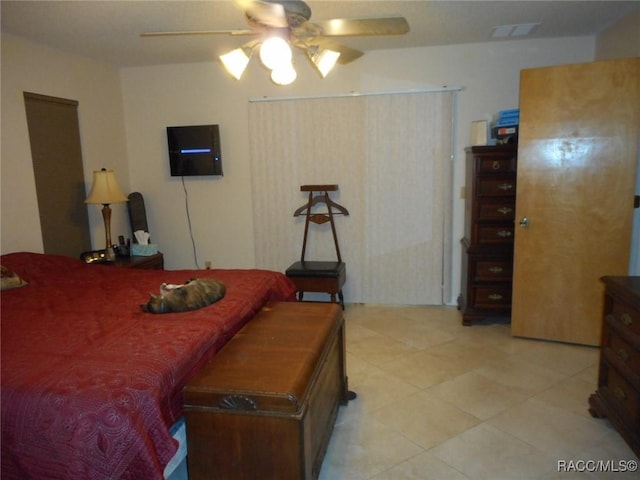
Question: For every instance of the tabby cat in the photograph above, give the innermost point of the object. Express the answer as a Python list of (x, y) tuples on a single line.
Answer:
[(195, 293)]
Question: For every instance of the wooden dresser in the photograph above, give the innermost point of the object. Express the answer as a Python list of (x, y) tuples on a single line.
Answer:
[(487, 256), (618, 394), (151, 262)]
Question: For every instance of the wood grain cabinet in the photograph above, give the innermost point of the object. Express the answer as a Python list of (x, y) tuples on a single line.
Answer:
[(577, 158), (151, 262), (487, 256), (618, 394)]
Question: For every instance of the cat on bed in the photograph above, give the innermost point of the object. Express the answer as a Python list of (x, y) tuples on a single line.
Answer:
[(195, 293)]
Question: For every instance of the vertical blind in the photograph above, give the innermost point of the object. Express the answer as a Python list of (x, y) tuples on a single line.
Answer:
[(390, 154)]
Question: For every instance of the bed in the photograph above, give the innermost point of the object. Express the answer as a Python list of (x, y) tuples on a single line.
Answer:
[(91, 385)]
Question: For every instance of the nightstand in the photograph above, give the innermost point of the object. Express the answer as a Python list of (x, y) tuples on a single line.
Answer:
[(151, 262)]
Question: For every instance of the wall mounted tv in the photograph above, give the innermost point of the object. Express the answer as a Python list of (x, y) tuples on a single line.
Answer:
[(194, 150)]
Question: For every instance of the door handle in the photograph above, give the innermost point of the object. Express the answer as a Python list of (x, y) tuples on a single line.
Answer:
[(524, 222)]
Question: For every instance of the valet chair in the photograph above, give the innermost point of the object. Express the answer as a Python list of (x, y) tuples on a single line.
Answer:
[(319, 276)]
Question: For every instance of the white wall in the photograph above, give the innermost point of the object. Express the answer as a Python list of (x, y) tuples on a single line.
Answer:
[(155, 97), (38, 69), (620, 40), (616, 42)]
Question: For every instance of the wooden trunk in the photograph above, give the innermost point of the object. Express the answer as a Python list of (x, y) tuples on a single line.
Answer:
[(266, 405)]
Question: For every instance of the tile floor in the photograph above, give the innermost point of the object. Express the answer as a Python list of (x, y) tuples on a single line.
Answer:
[(437, 400)]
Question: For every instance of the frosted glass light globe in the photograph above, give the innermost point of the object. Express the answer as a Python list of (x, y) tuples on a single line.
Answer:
[(284, 74), (274, 52)]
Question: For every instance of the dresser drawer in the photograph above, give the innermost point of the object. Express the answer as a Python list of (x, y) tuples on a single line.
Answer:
[(491, 270), (496, 164), (625, 319), (498, 186), (622, 355), (491, 296), (494, 234), (491, 209), (622, 395)]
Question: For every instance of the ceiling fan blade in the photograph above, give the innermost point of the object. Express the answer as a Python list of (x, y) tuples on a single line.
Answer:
[(347, 54), (198, 32), (345, 27), (265, 13)]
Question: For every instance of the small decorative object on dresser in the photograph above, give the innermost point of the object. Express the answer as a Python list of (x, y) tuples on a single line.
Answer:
[(618, 394), (487, 257)]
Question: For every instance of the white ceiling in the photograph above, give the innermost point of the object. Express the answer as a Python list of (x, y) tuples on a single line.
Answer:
[(110, 30)]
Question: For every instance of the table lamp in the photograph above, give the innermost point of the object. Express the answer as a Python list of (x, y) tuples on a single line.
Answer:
[(105, 190)]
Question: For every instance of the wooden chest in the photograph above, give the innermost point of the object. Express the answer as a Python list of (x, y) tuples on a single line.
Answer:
[(618, 394), (487, 258), (266, 405)]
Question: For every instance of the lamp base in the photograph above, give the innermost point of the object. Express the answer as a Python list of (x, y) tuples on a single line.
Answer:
[(110, 254)]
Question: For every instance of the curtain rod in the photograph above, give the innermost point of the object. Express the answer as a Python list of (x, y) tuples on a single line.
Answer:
[(444, 88)]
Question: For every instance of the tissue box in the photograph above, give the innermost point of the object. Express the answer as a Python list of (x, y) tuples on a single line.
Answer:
[(144, 250)]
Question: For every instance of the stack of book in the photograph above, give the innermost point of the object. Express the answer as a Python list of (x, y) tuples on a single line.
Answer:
[(506, 126)]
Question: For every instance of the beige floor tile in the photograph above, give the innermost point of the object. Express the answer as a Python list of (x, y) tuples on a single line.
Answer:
[(425, 419), (414, 327), (376, 348), (478, 394), (615, 460), (376, 388), (571, 394), (458, 357), (554, 430), (485, 452), (418, 368), (518, 374), (362, 447), (421, 467), (437, 400), (563, 358), (589, 374)]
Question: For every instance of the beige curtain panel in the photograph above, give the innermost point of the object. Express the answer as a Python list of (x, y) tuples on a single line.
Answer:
[(391, 155)]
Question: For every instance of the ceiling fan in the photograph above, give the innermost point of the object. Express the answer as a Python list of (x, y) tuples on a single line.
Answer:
[(278, 25)]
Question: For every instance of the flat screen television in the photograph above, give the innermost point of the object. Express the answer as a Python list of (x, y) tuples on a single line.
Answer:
[(194, 150)]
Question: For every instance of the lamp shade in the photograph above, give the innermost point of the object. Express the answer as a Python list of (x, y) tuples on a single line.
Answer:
[(235, 62), (105, 189), (325, 60)]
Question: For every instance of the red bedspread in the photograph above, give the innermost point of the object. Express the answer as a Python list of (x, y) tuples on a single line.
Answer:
[(90, 383)]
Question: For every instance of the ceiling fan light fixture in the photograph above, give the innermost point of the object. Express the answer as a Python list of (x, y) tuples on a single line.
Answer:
[(275, 52), (284, 74), (236, 61), (324, 60)]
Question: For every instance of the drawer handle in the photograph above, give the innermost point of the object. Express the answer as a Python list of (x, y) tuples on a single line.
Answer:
[(496, 165), (495, 296), (505, 210), (504, 233), (620, 393), (624, 355), (505, 186), (496, 269), (237, 402), (626, 319)]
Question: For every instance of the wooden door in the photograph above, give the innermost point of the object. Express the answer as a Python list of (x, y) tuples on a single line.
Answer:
[(577, 156), (54, 136)]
